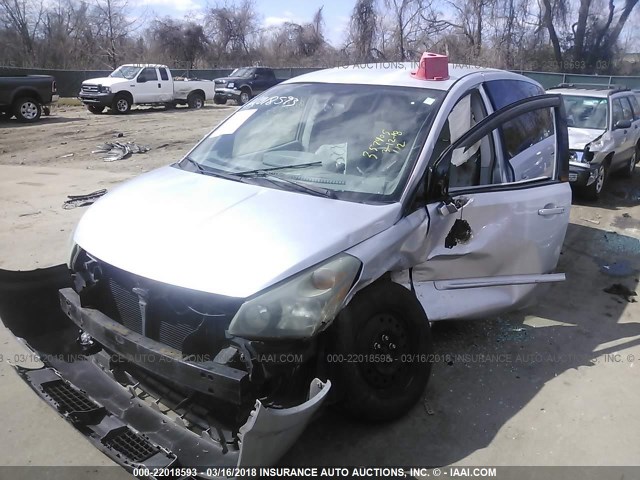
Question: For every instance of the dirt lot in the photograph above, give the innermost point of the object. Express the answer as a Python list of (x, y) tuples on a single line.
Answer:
[(556, 384)]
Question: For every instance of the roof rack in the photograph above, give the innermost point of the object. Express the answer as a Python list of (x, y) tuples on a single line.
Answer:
[(614, 88)]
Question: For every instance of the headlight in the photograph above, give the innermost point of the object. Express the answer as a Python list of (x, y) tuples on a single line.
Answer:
[(105, 89), (575, 156), (300, 306), (230, 85), (597, 144)]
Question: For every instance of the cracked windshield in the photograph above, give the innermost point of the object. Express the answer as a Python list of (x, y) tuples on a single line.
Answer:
[(353, 142)]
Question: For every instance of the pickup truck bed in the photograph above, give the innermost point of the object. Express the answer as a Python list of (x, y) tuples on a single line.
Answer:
[(26, 96)]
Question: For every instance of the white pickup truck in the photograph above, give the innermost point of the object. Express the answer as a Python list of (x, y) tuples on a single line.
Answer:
[(143, 85)]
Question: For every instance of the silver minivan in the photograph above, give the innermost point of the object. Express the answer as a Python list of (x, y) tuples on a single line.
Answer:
[(295, 257)]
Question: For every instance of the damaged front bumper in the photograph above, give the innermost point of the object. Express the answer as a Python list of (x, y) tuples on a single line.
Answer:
[(125, 412)]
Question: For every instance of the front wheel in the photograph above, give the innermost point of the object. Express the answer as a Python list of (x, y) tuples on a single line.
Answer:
[(245, 96), (593, 191), (380, 352), (27, 110), (631, 166), (121, 104)]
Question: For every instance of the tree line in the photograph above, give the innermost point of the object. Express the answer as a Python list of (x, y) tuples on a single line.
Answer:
[(578, 36)]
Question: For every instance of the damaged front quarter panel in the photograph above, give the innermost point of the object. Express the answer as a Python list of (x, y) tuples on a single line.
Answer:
[(127, 413)]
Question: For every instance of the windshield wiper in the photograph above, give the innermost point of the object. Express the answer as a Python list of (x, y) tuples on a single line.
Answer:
[(212, 173), (317, 191), (282, 167)]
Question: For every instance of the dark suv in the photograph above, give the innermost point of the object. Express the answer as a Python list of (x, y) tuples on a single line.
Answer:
[(243, 84)]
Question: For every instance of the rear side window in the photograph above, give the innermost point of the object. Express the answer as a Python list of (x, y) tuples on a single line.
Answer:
[(635, 106), (163, 74)]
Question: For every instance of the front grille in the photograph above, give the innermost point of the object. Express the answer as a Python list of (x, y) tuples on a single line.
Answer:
[(164, 313), (127, 305), (90, 89), (69, 399), (130, 444)]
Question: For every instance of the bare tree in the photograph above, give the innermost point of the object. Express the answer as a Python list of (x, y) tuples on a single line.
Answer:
[(232, 28), (363, 30), (23, 17), (181, 42), (112, 28)]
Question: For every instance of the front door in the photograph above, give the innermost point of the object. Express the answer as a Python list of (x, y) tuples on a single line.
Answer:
[(146, 89), (497, 207)]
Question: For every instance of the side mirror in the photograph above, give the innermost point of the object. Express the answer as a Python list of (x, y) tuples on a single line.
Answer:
[(142, 79), (255, 75), (622, 124)]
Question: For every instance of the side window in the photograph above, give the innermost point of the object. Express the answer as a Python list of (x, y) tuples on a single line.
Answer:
[(627, 112), (474, 165), (535, 161), (149, 74), (163, 74), (505, 92), (616, 111), (635, 106)]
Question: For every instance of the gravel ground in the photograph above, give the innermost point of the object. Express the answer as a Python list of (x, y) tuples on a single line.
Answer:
[(564, 393)]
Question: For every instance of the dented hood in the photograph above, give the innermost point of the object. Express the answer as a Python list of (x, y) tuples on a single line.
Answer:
[(221, 236), (580, 137)]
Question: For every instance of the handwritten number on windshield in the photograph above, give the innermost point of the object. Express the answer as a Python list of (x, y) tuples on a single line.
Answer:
[(386, 142)]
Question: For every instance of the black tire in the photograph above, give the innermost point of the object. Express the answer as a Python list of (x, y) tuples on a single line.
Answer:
[(195, 100), (245, 96), (593, 191), (219, 101), (27, 110), (384, 319), (631, 165), (121, 104), (95, 109)]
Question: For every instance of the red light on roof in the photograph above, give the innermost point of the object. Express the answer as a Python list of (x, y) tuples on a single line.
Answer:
[(433, 66)]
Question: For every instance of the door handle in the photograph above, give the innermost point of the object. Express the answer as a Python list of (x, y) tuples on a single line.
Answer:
[(159, 86), (550, 211)]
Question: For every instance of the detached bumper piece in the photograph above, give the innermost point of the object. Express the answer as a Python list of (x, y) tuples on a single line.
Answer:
[(105, 431), (130, 414)]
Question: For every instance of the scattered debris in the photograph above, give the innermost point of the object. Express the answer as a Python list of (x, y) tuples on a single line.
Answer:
[(595, 222), (118, 135), (67, 155), (621, 291), (619, 268), (119, 151), (29, 214), (626, 215), (82, 200), (428, 408)]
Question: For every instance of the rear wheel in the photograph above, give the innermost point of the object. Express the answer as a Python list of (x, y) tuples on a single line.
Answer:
[(27, 110), (381, 344), (95, 109), (195, 100), (121, 104)]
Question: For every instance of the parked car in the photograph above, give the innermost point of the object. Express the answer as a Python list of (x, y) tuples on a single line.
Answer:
[(604, 134), (27, 96), (130, 85), (243, 84), (295, 258)]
